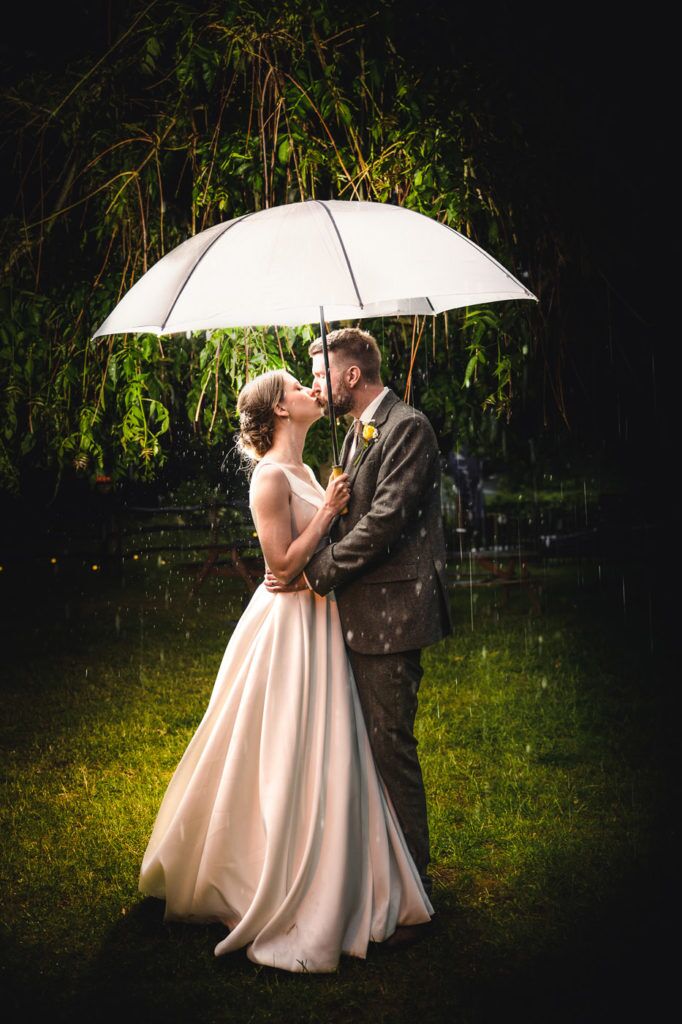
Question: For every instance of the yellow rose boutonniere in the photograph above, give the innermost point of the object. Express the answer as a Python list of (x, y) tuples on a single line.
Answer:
[(369, 435)]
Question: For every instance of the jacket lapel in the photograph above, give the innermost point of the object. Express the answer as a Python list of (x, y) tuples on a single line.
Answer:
[(385, 406), (357, 459), (378, 419)]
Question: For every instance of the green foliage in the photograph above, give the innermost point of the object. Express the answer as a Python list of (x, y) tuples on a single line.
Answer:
[(197, 117)]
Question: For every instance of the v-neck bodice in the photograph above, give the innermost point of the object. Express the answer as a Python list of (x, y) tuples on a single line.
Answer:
[(306, 497)]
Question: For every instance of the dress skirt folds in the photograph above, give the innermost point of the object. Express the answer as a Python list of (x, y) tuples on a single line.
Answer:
[(275, 822)]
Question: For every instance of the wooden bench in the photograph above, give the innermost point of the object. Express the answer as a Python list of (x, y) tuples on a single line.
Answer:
[(501, 569)]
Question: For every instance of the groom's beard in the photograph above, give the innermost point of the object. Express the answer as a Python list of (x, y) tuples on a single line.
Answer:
[(343, 401)]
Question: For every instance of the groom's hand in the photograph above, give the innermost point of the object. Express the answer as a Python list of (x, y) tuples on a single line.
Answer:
[(275, 587)]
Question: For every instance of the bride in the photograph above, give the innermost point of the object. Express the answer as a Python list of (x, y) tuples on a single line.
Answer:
[(275, 822)]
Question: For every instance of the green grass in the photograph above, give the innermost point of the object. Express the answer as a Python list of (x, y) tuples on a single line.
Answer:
[(543, 744)]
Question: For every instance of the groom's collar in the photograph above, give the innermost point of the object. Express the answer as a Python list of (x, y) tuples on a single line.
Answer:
[(385, 405), (387, 400), (369, 411)]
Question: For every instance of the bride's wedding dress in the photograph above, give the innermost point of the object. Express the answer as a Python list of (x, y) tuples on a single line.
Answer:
[(275, 822)]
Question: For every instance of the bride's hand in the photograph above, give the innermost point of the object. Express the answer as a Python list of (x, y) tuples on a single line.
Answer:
[(275, 587), (337, 494)]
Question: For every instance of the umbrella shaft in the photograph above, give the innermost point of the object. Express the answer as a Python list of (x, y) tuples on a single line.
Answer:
[(330, 398)]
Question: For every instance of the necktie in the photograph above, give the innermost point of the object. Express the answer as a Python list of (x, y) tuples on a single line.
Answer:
[(357, 427)]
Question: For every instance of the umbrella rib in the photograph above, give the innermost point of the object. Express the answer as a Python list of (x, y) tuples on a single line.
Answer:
[(492, 260), (207, 249), (338, 235)]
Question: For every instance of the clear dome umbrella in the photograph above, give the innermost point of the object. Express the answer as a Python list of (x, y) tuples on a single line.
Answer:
[(323, 260)]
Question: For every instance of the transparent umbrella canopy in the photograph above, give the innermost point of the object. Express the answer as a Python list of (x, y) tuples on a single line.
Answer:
[(319, 260)]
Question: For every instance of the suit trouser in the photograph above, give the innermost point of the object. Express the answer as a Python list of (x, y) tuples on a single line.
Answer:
[(388, 685)]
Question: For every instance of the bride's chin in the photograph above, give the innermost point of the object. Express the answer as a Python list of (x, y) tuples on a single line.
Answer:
[(312, 418)]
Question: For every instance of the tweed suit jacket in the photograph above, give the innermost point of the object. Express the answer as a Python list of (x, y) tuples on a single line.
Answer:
[(386, 557)]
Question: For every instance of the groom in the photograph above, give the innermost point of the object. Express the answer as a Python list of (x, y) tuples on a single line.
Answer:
[(385, 563)]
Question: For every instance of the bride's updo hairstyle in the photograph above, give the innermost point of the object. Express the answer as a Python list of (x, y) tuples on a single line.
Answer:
[(256, 407)]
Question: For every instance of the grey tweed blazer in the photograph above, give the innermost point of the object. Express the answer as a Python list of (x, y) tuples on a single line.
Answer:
[(386, 558)]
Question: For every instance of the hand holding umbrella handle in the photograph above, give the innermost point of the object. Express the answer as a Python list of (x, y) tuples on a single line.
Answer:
[(337, 471)]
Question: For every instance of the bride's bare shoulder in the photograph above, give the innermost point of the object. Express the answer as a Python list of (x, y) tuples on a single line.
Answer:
[(269, 485)]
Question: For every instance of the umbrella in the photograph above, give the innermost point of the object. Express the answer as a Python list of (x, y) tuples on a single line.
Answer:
[(319, 259)]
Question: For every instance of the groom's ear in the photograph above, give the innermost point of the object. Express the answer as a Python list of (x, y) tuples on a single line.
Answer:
[(353, 376)]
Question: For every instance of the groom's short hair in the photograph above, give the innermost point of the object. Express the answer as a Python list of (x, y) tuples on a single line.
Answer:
[(355, 347)]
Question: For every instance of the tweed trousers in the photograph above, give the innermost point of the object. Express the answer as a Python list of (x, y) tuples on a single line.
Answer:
[(388, 685)]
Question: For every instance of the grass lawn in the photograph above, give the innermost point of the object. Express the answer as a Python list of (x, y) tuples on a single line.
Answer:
[(545, 743)]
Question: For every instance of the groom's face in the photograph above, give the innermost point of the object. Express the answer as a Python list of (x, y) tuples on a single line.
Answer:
[(343, 396)]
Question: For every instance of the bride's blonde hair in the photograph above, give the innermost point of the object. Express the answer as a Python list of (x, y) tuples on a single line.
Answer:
[(256, 407)]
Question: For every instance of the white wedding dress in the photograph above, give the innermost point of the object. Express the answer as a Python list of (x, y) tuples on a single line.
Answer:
[(275, 822)]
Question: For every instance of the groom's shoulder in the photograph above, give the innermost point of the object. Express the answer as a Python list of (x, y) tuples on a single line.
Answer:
[(400, 412)]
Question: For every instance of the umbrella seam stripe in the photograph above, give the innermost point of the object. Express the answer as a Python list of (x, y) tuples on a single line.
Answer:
[(320, 202), (206, 250), (492, 259)]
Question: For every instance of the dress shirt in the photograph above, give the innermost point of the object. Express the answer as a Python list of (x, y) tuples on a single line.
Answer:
[(364, 417)]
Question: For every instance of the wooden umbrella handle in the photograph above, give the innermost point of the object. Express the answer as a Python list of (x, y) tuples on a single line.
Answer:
[(337, 471)]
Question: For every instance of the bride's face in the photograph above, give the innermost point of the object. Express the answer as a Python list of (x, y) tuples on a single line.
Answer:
[(300, 403)]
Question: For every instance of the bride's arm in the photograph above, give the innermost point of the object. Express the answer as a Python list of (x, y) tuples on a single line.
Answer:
[(285, 556)]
